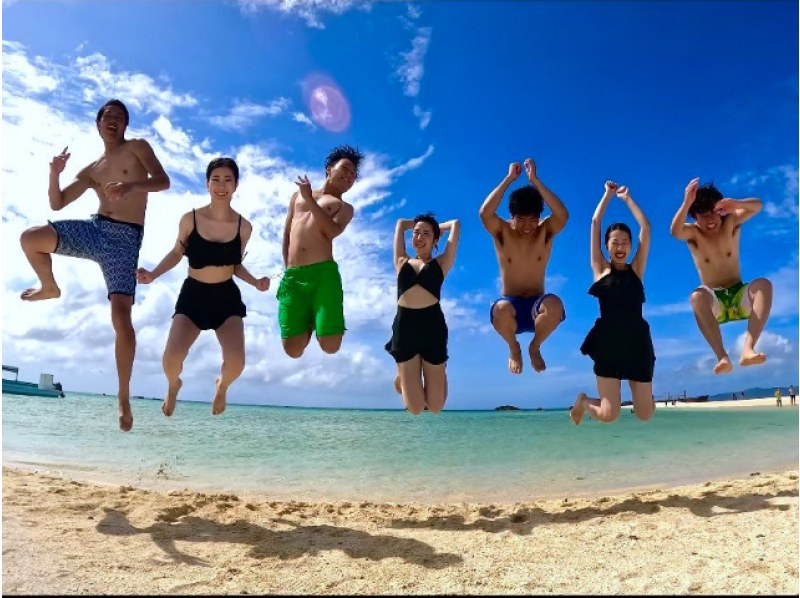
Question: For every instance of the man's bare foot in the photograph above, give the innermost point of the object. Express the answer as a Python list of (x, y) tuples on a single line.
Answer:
[(168, 406), (397, 385), (125, 415), (723, 366), (751, 358), (515, 359), (46, 292), (578, 409), (536, 359), (218, 406)]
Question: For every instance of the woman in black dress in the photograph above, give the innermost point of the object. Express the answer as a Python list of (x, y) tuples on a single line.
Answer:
[(619, 343)]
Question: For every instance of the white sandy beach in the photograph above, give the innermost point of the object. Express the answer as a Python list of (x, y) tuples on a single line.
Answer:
[(760, 402), (63, 536)]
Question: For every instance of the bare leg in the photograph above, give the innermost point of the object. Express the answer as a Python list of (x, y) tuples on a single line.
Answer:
[(411, 382), (295, 345), (330, 344), (546, 321), (231, 339), (124, 351), (38, 243), (604, 409), (182, 335), (709, 328), (397, 385), (504, 321), (642, 394), (760, 291), (435, 386)]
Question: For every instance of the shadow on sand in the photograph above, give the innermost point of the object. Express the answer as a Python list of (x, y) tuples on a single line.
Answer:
[(282, 544)]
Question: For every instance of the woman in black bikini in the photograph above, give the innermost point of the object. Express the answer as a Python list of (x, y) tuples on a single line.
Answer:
[(419, 331), (619, 343), (213, 238)]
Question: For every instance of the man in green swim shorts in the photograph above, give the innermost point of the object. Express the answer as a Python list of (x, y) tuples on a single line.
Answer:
[(310, 294), (713, 241)]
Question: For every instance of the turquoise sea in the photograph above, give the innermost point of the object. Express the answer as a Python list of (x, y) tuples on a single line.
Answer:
[(356, 455)]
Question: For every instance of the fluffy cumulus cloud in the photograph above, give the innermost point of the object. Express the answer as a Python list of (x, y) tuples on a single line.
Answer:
[(73, 338)]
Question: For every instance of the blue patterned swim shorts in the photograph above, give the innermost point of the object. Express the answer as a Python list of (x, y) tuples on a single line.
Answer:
[(111, 243)]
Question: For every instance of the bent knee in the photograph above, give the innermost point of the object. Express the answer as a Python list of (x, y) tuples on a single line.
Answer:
[(39, 238), (643, 414), (293, 351), (761, 285), (503, 311), (436, 405), (700, 299), (330, 345), (552, 305)]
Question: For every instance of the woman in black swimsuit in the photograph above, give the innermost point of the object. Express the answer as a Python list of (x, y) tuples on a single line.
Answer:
[(213, 238), (419, 331), (619, 343)]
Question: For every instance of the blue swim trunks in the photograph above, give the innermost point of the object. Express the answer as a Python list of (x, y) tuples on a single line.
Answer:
[(527, 308), (111, 243)]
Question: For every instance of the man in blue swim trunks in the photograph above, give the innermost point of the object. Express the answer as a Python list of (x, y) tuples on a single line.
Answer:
[(121, 177), (523, 245)]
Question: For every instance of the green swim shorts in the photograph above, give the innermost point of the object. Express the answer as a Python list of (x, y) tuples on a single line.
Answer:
[(730, 304), (310, 298)]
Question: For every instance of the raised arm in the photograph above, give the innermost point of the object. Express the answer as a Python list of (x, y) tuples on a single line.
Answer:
[(448, 257), (287, 229), (61, 198), (596, 259), (173, 257), (680, 229), (639, 262), (240, 271), (557, 220), (488, 212), (400, 255), (742, 210), (331, 227)]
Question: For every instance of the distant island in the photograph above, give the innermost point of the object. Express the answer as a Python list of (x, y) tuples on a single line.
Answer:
[(507, 408)]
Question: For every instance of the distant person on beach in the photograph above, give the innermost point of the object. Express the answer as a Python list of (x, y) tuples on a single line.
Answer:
[(523, 245), (310, 297), (792, 397), (121, 177), (619, 343), (713, 241), (419, 331), (213, 238), (778, 398)]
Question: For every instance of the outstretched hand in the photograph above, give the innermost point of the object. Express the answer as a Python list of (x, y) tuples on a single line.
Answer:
[(514, 170), (144, 276), (59, 161), (262, 284), (611, 188), (530, 169), (305, 187), (691, 191), (623, 193)]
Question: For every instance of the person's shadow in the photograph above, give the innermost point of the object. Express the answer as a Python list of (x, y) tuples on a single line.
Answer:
[(525, 519), (283, 544)]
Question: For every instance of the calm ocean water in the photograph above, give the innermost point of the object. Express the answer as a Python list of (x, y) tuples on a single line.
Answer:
[(337, 454)]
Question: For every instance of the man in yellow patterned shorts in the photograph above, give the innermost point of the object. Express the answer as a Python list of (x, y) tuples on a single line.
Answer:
[(310, 297), (713, 241)]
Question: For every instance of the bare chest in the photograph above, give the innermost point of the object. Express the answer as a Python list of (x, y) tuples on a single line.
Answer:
[(523, 254), (122, 166), (330, 206)]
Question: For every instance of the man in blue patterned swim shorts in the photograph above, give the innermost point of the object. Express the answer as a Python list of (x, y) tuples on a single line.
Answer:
[(122, 177)]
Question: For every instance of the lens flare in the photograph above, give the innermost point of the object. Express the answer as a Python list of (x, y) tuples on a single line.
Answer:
[(326, 102)]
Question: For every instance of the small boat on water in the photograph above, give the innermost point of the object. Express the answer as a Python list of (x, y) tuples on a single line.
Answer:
[(45, 388)]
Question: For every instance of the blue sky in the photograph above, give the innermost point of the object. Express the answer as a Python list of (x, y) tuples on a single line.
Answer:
[(443, 95)]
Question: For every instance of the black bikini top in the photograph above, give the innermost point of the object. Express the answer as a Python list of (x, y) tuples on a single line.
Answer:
[(202, 252), (430, 278)]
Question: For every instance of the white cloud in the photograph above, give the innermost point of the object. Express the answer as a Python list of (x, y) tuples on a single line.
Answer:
[(667, 309), (424, 117), (18, 71), (301, 117), (412, 69), (244, 114), (769, 343), (779, 180), (308, 10)]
